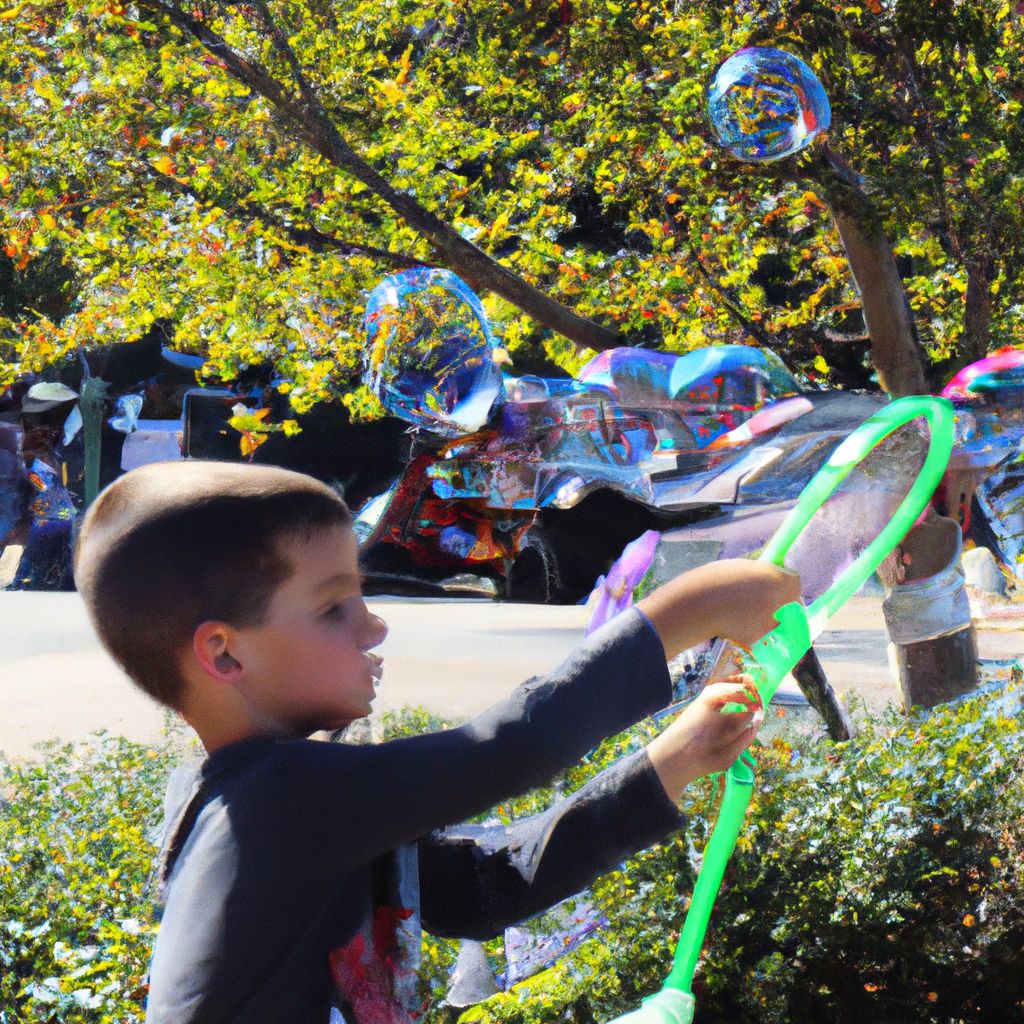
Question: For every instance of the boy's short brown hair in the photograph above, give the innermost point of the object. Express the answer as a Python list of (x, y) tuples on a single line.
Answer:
[(171, 545)]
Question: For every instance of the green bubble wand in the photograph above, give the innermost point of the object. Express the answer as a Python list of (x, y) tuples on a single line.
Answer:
[(776, 653)]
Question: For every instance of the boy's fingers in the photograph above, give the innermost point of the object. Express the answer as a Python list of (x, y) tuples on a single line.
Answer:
[(739, 699), (751, 723), (737, 690)]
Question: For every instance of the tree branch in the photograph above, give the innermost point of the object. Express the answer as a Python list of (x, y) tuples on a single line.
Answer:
[(311, 237), (311, 123), (841, 338), (925, 126), (283, 47), (322, 241), (726, 295)]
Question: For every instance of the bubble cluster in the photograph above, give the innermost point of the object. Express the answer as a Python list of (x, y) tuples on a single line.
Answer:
[(429, 352), (765, 104)]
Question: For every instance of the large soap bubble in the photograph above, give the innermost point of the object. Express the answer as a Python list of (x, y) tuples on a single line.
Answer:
[(1003, 370), (429, 352), (766, 104)]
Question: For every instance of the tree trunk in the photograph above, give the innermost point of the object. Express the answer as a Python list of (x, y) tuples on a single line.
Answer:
[(895, 346), (927, 615), (977, 312)]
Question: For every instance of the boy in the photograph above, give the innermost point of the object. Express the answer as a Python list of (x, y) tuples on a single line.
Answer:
[(231, 593)]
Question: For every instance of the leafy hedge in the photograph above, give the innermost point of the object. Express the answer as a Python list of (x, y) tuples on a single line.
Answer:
[(879, 879), (77, 833)]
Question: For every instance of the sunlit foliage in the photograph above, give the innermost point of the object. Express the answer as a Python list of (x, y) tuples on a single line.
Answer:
[(566, 140)]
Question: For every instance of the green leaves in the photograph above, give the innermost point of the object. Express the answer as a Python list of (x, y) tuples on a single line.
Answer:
[(77, 834), (569, 142), (881, 876)]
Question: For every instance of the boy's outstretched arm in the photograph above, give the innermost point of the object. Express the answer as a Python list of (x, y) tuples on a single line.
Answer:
[(477, 880), (617, 676), (735, 598)]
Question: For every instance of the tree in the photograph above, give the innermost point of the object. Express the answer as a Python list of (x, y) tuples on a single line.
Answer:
[(928, 97), (44, 285), (249, 169)]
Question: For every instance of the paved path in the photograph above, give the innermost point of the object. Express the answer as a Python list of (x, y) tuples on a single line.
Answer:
[(453, 657)]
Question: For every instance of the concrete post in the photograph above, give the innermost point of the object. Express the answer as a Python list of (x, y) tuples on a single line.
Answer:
[(92, 398), (933, 647)]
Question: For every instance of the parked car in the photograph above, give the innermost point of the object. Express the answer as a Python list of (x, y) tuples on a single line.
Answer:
[(540, 482)]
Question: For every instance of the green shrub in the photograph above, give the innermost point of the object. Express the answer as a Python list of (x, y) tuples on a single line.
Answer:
[(76, 848), (877, 880)]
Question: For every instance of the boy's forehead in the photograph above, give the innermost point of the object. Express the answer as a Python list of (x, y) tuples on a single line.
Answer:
[(323, 560)]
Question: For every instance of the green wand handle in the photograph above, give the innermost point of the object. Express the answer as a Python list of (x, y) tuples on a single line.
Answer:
[(776, 653)]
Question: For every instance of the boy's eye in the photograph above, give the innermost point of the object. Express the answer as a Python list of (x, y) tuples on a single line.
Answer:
[(335, 611)]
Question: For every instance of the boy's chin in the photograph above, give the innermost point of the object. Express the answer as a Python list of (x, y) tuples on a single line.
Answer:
[(338, 724)]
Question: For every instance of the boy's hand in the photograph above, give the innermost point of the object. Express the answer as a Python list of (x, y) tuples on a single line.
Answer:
[(706, 738), (735, 598), (750, 611)]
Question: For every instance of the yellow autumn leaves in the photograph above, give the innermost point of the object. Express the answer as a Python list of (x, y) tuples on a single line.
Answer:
[(255, 429)]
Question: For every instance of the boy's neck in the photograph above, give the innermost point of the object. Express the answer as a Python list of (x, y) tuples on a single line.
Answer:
[(220, 719)]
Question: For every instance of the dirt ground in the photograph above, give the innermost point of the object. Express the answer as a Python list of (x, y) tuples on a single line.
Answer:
[(452, 657)]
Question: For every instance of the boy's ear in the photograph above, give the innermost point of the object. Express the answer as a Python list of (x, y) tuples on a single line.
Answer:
[(212, 644)]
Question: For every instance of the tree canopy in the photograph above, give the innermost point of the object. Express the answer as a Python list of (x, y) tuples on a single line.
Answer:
[(248, 170)]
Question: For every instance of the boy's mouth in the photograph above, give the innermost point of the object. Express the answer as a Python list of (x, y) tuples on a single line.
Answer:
[(376, 666)]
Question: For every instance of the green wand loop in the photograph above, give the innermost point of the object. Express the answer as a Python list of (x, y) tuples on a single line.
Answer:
[(776, 653)]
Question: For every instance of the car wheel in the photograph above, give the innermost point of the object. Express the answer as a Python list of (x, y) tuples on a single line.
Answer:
[(534, 577)]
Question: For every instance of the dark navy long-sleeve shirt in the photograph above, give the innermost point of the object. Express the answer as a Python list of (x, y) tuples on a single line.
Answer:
[(284, 859)]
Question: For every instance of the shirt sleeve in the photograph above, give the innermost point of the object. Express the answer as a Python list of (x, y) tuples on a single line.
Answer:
[(475, 881), (377, 797), (276, 864)]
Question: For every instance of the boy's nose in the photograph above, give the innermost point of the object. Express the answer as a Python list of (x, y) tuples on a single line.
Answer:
[(376, 630)]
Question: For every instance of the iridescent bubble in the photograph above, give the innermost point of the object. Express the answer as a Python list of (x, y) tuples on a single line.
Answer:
[(766, 104), (429, 352), (1003, 370)]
